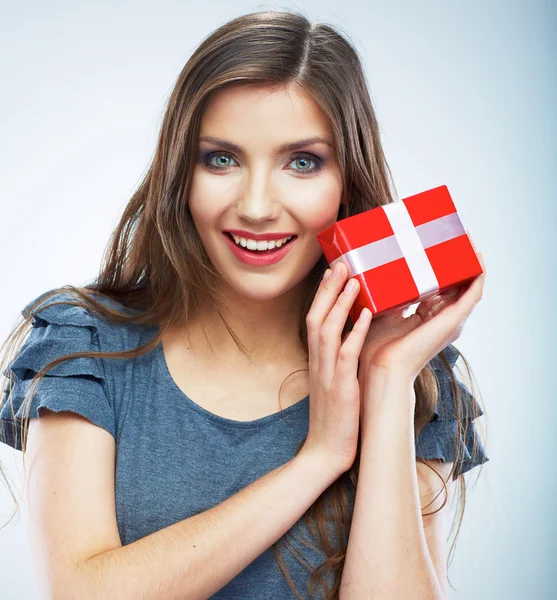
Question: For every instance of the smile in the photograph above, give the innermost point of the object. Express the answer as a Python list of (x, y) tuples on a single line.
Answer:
[(270, 252)]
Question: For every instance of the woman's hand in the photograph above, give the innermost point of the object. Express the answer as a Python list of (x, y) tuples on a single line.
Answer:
[(406, 345), (333, 373)]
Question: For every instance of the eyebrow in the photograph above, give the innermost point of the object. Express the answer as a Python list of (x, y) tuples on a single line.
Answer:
[(289, 146)]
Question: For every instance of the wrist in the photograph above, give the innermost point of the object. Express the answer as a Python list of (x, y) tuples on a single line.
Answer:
[(387, 390), (390, 373), (318, 466)]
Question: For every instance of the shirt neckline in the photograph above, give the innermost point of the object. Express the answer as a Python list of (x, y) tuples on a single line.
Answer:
[(261, 421)]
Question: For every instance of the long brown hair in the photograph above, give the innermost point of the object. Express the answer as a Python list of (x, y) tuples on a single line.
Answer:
[(156, 265)]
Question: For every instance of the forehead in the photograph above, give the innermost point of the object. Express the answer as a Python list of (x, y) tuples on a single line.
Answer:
[(253, 113)]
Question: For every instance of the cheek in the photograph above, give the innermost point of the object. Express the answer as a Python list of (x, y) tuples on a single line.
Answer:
[(317, 209), (208, 196), (315, 212)]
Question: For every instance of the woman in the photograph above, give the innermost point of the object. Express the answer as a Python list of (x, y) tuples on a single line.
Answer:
[(212, 424)]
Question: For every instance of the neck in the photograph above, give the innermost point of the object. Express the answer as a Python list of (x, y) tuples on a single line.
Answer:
[(268, 329)]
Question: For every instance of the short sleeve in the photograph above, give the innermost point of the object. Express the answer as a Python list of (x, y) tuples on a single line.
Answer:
[(78, 384), (438, 438)]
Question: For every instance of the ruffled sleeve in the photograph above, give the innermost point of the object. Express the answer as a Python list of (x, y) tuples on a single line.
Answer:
[(439, 437), (78, 384)]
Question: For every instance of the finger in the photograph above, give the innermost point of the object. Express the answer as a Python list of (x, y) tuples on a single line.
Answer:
[(481, 259), (349, 353), (323, 301), (471, 240), (431, 332), (331, 331), (472, 294), (398, 313), (478, 254), (311, 350), (401, 311), (326, 276), (428, 308), (452, 316)]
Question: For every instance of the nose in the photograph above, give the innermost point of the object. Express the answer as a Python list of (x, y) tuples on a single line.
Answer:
[(257, 203)]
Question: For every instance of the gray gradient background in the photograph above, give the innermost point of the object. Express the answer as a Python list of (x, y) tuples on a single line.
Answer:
[(465, 95)]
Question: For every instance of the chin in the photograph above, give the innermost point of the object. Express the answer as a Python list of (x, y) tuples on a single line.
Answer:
[(259, 292), (264, 285)]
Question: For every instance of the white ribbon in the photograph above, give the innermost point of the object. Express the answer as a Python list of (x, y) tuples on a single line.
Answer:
[(408, 242)]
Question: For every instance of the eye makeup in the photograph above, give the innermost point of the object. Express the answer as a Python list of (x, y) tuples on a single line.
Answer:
[(205, 158)]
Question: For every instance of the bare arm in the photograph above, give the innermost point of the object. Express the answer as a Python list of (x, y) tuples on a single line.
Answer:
[(387, 554), (71, 466)]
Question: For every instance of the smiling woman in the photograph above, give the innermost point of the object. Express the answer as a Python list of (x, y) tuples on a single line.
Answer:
[(194, 463), (262, 186)]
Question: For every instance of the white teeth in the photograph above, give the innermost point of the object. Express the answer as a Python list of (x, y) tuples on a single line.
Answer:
[(259, 245)]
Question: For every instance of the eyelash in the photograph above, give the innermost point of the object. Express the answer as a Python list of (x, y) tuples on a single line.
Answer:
[(318, 161)]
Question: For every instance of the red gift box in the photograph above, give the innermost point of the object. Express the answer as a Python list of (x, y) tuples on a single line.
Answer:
[(402, 252)]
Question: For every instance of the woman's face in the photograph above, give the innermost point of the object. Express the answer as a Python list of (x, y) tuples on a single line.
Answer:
[(244, 181)]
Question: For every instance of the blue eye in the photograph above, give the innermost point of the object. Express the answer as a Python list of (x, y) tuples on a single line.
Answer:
[(307, 158), (218, 155), (224, 158)]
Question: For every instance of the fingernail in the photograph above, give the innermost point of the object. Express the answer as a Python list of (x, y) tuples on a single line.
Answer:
[(351, 285), (436, 306), (337, 270)]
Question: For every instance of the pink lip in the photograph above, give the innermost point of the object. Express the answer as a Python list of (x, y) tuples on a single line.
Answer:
[(259, 258)]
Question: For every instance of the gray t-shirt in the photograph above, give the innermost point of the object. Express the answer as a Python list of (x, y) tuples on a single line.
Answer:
[(175, 459)]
